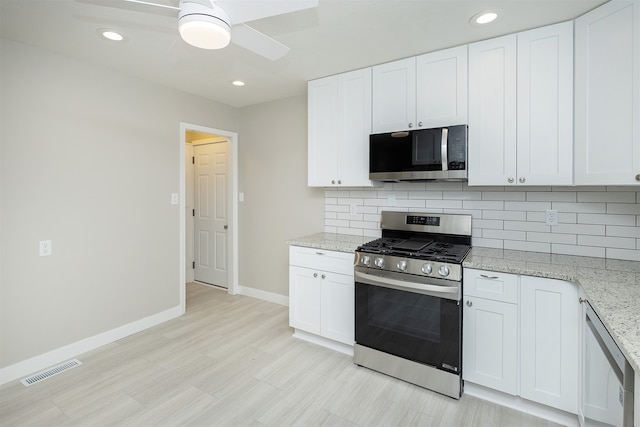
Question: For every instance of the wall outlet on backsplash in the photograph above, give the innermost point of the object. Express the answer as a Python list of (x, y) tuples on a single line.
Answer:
[(551, 217), (353, 209)]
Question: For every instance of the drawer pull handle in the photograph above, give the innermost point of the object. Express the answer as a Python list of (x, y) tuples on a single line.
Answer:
[(489, 277)]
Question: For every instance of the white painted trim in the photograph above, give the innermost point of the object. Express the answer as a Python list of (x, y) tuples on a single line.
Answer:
[(324, 342), (232, 288), (50, 358), (520, 404), (264, 295)]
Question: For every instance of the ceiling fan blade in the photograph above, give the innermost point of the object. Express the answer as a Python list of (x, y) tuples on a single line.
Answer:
[(257, 42), (161, 8), (249, 10)]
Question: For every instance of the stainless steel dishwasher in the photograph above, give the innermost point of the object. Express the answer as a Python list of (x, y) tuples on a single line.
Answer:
[(607, 377)]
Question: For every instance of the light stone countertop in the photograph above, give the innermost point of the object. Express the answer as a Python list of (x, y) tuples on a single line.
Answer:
[(612, 286), (331, 241)]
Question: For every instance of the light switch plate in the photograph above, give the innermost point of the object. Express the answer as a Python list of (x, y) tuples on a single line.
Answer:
[(45, 247), (174, 198)]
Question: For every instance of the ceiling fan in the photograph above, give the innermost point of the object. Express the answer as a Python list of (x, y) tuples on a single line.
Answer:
[(212, 24)]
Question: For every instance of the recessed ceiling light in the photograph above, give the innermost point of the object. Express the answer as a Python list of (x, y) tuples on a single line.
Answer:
[(110, 34), (237, 83), (485, 17)]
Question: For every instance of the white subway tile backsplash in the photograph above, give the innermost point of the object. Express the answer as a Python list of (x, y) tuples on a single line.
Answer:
[(527, 246), (603, 219), (578, 250), (607, 242), (527, 206), (593, 221), (579, 207), (618, 231)]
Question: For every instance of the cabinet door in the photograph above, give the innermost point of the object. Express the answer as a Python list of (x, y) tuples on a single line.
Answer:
[(354, 109), (441, 80), (492, 111), (607, 98), (394, 96), (549, 313), (545, 106), (304, 299), (338, 307), (490, 348), (323, 131)]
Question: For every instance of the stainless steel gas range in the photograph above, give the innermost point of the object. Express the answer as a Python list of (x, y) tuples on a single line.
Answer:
[(408, 288)]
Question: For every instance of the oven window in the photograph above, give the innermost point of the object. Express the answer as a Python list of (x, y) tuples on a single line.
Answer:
[(422, 328), (417, 317)]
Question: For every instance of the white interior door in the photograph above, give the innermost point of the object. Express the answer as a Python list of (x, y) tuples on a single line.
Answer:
[(210, 219)]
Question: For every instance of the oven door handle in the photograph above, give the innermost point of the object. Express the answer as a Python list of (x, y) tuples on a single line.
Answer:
[(449, 292)]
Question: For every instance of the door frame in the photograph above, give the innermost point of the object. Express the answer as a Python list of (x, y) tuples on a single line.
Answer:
[(232, 249)]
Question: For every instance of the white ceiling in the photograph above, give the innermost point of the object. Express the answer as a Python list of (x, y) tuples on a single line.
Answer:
[(338, 36)]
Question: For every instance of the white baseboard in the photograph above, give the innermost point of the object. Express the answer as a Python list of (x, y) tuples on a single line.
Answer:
[(263, 295), (43, 361), (520, 404), (325, 342)]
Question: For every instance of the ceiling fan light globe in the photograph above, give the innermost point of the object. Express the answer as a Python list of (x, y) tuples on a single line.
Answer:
[(204, 32)]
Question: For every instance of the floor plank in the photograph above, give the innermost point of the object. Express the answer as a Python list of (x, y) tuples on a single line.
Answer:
[(231, 361)]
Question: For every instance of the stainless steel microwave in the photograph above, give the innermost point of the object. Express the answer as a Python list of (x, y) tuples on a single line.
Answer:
[(423, 154)]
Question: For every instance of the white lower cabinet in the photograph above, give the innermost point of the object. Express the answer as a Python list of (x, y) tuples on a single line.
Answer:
[(549, 342), (521, 337), (321, 293)]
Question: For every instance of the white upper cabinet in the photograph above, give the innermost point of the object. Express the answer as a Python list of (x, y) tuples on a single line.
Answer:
[(394, 96), (442, 88), (492, 111), (607, 99), (521, 108), (545, 105), (339, 128), (426, 91)]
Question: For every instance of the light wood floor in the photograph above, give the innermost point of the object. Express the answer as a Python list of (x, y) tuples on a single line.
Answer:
[(231, 361)]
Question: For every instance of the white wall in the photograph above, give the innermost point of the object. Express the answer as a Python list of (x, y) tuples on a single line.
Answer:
[(278, 204), (89, 159), (593, 221)]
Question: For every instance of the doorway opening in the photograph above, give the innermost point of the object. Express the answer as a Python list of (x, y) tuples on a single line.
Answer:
[(209, 207)]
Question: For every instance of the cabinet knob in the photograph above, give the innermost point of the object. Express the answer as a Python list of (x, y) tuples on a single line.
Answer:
[(323, 276), (510, 180), (469, 303), (315, 274), (410, 125), (522, 180), (339, 181), (638, 177), (333, 181), (420, 124)]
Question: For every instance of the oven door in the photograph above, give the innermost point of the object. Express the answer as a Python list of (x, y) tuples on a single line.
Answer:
[(415, 321)]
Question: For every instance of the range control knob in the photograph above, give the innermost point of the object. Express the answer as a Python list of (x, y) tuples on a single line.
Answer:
[(365, 260), (443, 271), (402, 265), (426, 269), (379, 262)]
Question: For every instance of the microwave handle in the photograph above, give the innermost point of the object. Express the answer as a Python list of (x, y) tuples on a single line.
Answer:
[(444, 150)]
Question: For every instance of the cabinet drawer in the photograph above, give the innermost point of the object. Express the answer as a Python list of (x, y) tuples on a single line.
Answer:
[(320, 259), (491, 285)]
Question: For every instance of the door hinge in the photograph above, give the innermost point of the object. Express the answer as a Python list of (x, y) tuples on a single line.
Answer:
[(193, 213), (193, 160), (193, 265)]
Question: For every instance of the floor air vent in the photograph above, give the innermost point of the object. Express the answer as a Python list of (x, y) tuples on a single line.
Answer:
[(51, 372)]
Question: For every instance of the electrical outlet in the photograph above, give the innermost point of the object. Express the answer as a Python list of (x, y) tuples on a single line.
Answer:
[(551, 217), (391, 199), (174, 198), (353, 209), (45, 247)]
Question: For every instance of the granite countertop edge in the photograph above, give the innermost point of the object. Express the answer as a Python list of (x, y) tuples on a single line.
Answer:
[(612, 286)]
